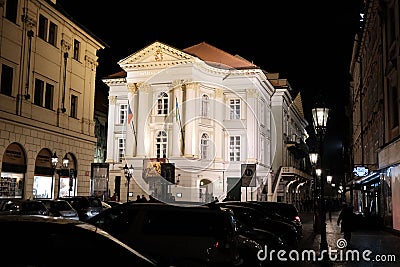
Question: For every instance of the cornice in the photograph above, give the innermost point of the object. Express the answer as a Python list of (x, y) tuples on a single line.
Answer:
[(114, 81)]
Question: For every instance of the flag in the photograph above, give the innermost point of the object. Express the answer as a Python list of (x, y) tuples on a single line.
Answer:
[(130, 114), (178, 119), (130, 117)]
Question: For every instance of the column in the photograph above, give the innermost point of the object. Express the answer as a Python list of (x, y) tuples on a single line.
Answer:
[(189, 121), (130, 149), (219, 106), (251, 124), (142, 116), (112, 100)]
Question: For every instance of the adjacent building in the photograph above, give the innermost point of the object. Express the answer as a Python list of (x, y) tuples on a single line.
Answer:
[(47, 90), (374, 98)]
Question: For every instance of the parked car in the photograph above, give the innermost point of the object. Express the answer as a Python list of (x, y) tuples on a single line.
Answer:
[(23, 206), (86, 206), (174, 235), (60, 208), (276, 212), (286, 210), (45, 241), (255, 218), (113, 203)]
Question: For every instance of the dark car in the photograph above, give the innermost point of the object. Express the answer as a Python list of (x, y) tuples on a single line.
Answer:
[(286, 210), (60, 208), (45, 241), (86, 206), (276, 211), (174, 235), (256, 219), (23, 207)]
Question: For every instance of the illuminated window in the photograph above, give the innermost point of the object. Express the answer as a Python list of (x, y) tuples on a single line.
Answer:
[(161, 144), (162, 104)]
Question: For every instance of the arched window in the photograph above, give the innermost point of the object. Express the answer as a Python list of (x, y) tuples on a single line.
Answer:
[(162, 104), (204, 146), (161, 144), (204, 105)]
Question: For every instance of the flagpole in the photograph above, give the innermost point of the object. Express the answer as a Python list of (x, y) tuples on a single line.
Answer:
[(178, 118)]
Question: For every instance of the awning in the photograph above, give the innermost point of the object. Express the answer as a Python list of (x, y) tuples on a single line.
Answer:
[(372, 177)]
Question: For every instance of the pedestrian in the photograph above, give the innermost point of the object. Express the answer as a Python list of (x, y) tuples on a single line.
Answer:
[(346, 221), (114, 197)]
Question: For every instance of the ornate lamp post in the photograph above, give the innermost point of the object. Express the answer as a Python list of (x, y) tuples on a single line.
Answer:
[(65, 163), (314, 159), (320, 118), (128, 172)]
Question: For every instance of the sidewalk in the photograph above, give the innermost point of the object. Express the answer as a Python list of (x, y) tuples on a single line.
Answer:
[(372, 247)]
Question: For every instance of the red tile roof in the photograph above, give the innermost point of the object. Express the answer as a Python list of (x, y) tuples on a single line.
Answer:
[(217, 57)]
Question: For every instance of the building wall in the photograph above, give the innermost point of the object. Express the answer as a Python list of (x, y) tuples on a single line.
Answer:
[(49, 125), (375, 98)]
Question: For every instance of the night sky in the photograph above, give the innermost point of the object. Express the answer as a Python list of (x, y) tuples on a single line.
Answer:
[(308, 42)]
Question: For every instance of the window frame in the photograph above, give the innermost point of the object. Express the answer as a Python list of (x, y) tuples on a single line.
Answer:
[(234, 149), (234, 109), (123, 113), (205, 105), (121, 142), (6, 82), (74, 106), (47, 30), (161, 144), (162, 104), (46, 94), (77, 48)]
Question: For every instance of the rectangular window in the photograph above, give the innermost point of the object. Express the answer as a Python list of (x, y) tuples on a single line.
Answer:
[(44, 93), (43, 26), (234, 148), (39, 92), (48, 99), (234, 106), (53, 34), (123, 113), (74, 106), (47, 31), (77, 45), (6, 80), (11, 10), (394, 105), (121, 149)]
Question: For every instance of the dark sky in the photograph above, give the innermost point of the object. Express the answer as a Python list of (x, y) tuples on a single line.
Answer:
[(308, 42)]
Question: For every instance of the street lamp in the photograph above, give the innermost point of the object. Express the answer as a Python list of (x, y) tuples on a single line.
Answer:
[(128, 175), (320, 118), (65, 163), (314, 159)]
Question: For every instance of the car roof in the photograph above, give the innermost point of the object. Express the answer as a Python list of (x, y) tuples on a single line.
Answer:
[(39, 218)]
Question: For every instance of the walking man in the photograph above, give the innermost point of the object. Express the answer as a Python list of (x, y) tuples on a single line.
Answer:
[(345, 219)]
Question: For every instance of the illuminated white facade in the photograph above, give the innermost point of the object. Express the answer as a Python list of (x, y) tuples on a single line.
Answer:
[(206, 116)]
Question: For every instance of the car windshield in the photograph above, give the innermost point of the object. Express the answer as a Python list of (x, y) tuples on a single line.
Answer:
[(28, 205), (61, 205)]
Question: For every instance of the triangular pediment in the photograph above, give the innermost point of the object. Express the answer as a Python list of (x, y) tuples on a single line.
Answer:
[(156, 55)]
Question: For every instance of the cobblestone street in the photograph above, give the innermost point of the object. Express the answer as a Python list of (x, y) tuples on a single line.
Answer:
[(383, 246)]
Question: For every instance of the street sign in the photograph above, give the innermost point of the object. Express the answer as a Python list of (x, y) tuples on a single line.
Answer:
[(248, 175)]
